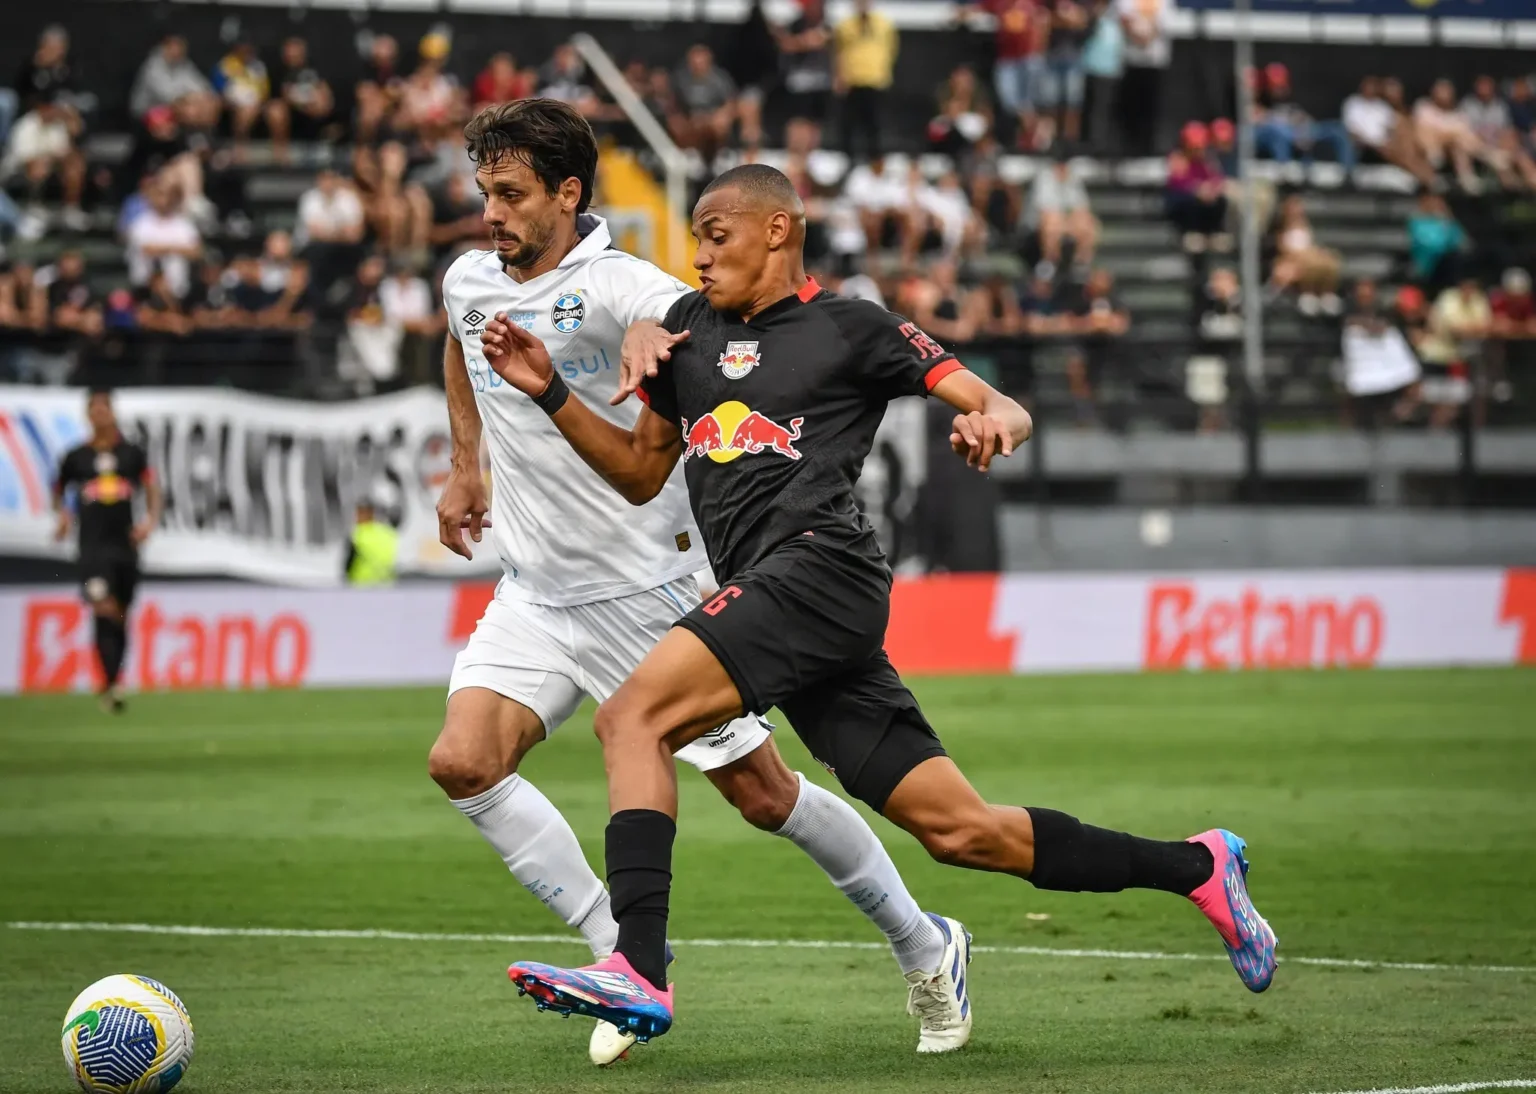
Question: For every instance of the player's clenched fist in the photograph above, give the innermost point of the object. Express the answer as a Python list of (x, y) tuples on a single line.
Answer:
[(517, 356), (646, 344)]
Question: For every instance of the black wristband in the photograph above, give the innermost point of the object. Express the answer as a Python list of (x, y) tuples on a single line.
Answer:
[(553, 397)]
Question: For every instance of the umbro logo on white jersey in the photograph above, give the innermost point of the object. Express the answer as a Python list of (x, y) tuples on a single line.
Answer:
[(473, 317)]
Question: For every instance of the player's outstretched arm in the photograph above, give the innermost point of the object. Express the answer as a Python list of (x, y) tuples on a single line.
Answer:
[(635, 462), (989, 423)]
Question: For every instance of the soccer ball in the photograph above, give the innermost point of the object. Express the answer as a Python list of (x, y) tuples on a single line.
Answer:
[(127, 1035)]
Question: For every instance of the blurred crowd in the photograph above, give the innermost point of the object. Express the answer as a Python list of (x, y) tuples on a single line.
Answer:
[(975, 252)]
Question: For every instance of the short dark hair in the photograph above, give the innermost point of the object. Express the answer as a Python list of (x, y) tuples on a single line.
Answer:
[(759, 182), (98, 391), (549, 136)]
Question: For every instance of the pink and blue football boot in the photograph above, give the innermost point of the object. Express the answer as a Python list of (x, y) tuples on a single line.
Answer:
[(1224, 900), (610, 991)]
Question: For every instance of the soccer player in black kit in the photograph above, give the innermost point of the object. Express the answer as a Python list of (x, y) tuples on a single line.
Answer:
[(770, 389), (106, 472)]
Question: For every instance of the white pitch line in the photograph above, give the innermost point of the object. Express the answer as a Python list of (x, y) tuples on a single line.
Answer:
[(727, 943), (1450, 1088)]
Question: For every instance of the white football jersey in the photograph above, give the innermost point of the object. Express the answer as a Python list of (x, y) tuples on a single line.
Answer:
[(564, 535)]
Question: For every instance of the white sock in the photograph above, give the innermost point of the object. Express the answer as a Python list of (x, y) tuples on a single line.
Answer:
[(837, 839), (542, 852)]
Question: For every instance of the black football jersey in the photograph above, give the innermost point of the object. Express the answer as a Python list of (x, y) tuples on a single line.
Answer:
[(107, 479), (777, 415)]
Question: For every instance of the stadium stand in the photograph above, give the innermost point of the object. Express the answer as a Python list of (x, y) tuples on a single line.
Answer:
[(268, 202)]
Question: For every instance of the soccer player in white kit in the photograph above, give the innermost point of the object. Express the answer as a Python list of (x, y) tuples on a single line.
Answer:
[(590, 583)]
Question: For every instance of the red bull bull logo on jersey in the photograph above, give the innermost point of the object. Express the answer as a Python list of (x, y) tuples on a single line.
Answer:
[(734, 429)]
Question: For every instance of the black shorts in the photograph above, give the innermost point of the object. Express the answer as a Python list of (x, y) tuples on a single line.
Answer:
[(109, 573), (804, 630)]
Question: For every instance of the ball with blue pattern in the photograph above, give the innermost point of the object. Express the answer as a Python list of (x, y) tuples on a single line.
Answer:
[(127, 1035)]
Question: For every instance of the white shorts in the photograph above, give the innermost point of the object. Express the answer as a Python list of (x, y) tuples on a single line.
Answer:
[(548, 658)]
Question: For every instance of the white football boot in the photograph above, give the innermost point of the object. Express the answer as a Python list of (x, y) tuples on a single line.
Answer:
[(938, 998), (608, 1044)]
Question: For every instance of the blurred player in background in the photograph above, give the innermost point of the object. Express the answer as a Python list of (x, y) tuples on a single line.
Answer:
[(591, 583), (107, 472), (772, 401)]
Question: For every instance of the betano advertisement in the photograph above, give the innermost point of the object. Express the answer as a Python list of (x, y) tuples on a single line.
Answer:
[(241, 636)]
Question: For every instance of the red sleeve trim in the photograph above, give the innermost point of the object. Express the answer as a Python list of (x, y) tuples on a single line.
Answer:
[(939, 371), (644, 398), (808, 291)]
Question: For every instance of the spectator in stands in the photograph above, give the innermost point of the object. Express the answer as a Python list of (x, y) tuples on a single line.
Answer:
[(1381, 372), (72, 303), (992, 312), (1376, 126), (430, 97), (241, 78), (564, 77), (883, 205), (501, 81), (399, 212), (1195, 198), (866, 63), (371, 347), (945, 207), (49, 76), (1513, 306), (1301, 265), (377, 93), (939, 305), (162, 149), (306, 95), (1282, 128), (407, 305), (1019, 70), (255, 302), (1444, 131), (805, 52), (1488, 116), (41, 153), (1147, 26), (1463, 313), (161, 310), (164, 237), (1058, 210), (964, 119), (1040, 303), (23, 317), (1103, 63), (169, 78), (753, 62), (1219, 334), (457, 213), (284, 274), (1065, 81), (1098, 320), (997, 202), (705, 103), (209, 299), (1522, 113), (1435, 241)]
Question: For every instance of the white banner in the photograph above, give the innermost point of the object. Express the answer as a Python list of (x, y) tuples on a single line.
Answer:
[(254, 487), (223, 635)]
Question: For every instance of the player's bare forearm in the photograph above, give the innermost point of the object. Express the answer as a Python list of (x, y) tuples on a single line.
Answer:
[(154, 501), (989, 423), (463, 414), (634, 462)]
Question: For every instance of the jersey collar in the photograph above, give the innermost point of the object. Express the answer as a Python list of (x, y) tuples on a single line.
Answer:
[(808, 292)]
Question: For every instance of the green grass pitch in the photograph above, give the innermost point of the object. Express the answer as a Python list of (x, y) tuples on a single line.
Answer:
[(1390, 816)]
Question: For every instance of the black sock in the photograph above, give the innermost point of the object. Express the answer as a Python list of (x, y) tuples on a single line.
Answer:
[(111, 644), (1074, 857), (639, 884)]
